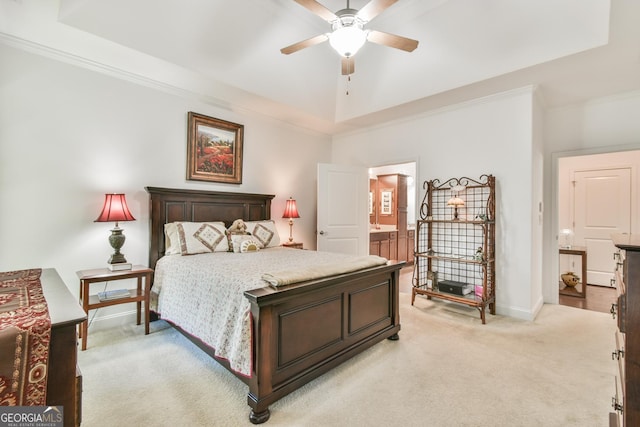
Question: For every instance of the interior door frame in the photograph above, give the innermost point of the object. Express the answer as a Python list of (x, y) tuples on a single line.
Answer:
[(551, 255)]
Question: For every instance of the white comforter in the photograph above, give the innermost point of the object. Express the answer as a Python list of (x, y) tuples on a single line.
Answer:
[(203, 294)]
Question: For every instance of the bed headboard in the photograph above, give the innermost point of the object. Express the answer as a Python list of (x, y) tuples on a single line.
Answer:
[(169, 205)]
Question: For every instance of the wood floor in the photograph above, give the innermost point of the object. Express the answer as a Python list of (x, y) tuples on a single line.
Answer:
[(599, 298)]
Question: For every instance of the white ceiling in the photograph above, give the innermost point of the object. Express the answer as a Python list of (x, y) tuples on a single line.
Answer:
[(572, 50)]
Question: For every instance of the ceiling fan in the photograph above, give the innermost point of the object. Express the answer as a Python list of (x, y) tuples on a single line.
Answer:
[(347, 31)]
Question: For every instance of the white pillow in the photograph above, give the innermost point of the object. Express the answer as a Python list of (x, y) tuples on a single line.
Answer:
[(201, 237), (171, 239), (264, 232)]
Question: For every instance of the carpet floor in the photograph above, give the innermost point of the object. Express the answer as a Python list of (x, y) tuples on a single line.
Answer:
[(447, 369)]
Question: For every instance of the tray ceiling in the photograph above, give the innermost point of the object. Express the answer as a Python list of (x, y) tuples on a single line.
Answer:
[(571, 49)]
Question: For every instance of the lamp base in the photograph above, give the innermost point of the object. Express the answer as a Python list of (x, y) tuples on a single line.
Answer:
[(120, 266), (116, 240), (117, 258), (290, 230)]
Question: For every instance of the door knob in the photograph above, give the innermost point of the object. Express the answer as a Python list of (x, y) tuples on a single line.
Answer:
[(322, 233)]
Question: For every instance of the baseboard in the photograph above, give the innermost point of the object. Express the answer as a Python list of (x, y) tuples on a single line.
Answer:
[(111, 320), (519, 313)]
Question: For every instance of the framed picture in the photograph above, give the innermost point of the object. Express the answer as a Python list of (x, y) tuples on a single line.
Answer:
[(214, 149), (386, 202)]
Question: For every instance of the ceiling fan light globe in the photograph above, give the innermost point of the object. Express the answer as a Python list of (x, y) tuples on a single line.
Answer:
[(347, 40)]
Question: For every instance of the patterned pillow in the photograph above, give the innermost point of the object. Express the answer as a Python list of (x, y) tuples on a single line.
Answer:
[(240, 241), (202, 237), (264, 232), (249, 246)]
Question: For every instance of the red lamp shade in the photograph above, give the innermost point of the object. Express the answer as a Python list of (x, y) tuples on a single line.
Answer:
[(290, 210), (115, 209)]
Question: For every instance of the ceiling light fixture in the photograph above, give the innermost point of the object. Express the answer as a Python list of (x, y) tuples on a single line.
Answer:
[(347, 36)]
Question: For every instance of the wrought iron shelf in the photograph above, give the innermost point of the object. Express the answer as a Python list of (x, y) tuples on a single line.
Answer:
[(451, 247)]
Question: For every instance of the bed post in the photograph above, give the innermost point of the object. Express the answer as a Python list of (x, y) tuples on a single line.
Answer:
[(260, 383)]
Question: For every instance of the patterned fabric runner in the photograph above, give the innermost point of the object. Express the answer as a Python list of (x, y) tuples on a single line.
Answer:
[(25, 333)]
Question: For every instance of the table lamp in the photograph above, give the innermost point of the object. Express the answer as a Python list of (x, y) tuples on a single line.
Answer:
[(115, 209), (290, 212)]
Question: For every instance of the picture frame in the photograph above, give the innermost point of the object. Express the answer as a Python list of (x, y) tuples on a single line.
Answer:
[(214, 149), (386, 202)]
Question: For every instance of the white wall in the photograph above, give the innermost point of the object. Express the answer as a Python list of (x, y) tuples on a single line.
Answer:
[(68, 135), (603, 125), (492, 135)]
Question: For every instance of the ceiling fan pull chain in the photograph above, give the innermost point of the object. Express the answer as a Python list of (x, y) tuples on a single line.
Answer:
[(348, 80)]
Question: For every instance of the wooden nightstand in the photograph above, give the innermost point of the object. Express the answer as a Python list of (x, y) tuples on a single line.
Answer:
[(293, 245), (91, 302)]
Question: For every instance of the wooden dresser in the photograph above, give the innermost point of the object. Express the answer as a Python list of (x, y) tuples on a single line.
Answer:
[(64, 382), (626, 401)]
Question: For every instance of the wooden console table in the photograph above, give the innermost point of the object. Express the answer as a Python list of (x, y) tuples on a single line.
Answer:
[(580, 251)]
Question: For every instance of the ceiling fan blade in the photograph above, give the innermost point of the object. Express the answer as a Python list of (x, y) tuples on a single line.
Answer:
[(348, 66), (318, 9), (392, 40), (304, 43), (374, 8)]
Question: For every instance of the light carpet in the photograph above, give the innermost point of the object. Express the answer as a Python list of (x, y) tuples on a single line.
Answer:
[(447, 369)]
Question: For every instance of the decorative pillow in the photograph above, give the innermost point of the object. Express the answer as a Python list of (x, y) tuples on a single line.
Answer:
[(264, 232), (202, 237), (249, 246), (171, 239), (238, 241)]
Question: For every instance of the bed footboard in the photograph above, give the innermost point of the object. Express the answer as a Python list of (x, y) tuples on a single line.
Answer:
[(304, 330)]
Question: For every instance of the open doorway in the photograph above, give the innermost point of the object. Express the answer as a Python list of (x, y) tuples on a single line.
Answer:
[(408, 169), (597, 197), (392, 215)]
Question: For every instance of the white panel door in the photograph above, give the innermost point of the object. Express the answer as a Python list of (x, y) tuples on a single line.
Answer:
[(343, 209), (602, 206)]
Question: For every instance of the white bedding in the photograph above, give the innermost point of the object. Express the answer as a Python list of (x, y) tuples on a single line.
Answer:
[(203, 294)]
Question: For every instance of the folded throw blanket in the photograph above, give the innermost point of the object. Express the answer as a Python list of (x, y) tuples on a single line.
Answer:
[(287, 277)]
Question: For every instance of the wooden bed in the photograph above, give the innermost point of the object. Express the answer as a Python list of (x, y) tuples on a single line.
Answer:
[(357, 310)]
